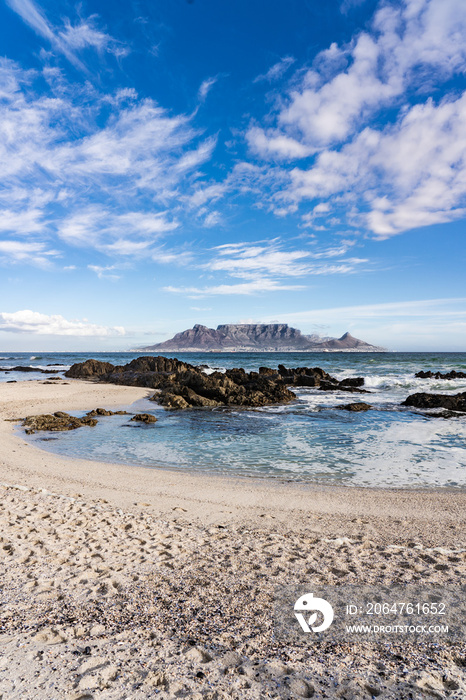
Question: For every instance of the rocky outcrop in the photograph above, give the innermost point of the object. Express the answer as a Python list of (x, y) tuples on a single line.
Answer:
[(318, 378), (256, 337), (452, 402), (89, 368), (181, 385), (144, 418), (355, 407), (438, 375), (27, 368), (105, 412), (57, 422)]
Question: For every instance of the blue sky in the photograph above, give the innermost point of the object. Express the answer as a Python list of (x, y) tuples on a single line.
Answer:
[(171, 162)]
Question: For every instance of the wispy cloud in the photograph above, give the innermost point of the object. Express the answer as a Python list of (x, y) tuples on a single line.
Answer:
[(126, 234), (28, 321), (74, 170), (270, 258), (244, 288), (22, 222), (244, 259), (206, 87), (69, 39), (276, 71), (449, 307), (265, 266), (105, 272), (26, 252)]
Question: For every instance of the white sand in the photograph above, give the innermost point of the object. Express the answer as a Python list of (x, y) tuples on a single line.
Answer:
[(166, 578)]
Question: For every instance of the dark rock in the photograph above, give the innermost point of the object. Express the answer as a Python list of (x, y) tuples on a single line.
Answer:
[(452, 402), (181, 385), (20, 368), (341, 386), (268, 371), (171, 400), (89, 368), (352, 382), (105, 412), (57, 421), (438, 375), (355, 407), (144, 418), (444, 414)]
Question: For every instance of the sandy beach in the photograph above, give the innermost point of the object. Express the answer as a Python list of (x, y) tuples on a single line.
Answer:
[(124, 582)]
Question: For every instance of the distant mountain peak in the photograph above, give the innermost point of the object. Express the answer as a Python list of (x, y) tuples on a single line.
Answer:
[(256, 337)]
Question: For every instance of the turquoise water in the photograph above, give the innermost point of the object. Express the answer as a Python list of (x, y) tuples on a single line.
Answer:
[(306, 440)]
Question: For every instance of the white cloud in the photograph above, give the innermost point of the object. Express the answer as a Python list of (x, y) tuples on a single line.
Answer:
[(40, 324), (21, 222), (268, 258), (26, 252), (54, 152), (270, 143), (245, 288), (244, 259), (70, 39), (277, 70), (264, 265), (131, 233), (384, 176), (393, 170), (347, 84), (208, 193), (86, 34), (104, 272), (213, 218), (449, 307), (205, 88), (35, 19)]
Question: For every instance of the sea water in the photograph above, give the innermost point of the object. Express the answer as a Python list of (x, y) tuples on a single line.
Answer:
[(309, 439)]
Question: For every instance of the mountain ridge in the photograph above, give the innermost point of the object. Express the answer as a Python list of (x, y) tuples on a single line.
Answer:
[(256, 337)]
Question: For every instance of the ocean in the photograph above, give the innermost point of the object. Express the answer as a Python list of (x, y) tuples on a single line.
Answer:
[(308, 440)]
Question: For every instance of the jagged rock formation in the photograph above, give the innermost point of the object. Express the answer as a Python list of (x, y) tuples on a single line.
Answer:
[(57, 422), (452, 402), (181, 385), (355, 407), (255, 337), (144, 418), (21, 368), (438, 375)]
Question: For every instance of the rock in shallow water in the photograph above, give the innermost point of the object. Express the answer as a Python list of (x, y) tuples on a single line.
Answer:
[(56, 422), (355, 407), (453, 402), (144, 418), (181, 385), (105, 412), (438, 375)]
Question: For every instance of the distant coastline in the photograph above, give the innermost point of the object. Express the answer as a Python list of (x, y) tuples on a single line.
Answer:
[(263, 350), (257, 337)]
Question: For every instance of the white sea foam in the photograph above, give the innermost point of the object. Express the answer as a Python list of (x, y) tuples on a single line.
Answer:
[(62, 368), (304, 439)]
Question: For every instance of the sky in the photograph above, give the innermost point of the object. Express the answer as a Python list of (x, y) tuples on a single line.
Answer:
[(171, 162)]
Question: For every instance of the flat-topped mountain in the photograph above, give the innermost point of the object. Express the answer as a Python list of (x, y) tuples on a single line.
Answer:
[(256, 337)]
